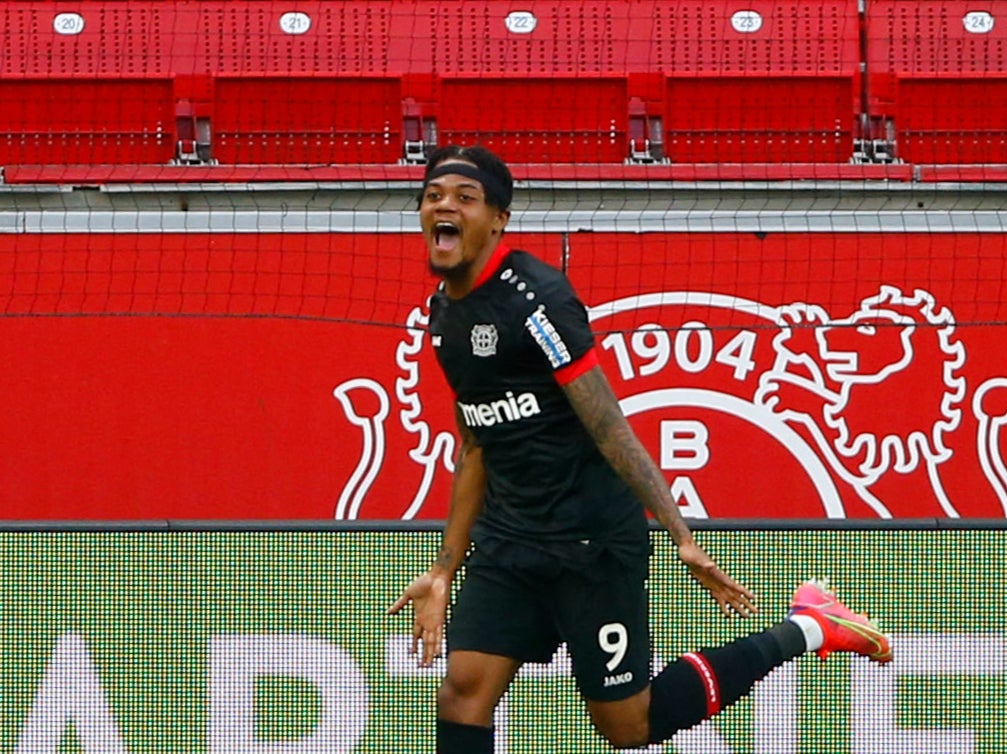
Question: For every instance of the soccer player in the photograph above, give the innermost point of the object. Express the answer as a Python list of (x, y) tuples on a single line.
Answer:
[(551, 486)]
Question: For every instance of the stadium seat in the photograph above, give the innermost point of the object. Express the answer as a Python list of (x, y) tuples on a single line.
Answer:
[(86, 120), (307, 120), (937, 80), (557, 120), (759, 82), (86, 86)]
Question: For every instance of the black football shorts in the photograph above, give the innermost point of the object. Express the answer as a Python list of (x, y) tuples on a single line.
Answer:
[(522, 602)]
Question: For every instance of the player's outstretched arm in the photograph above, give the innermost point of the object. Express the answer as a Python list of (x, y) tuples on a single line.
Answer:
[(592, 398), (429, 592)]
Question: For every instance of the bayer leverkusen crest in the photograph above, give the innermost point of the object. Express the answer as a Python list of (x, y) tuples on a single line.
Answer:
[(484, 340)]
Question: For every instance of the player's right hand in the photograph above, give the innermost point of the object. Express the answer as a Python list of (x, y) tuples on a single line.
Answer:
[(429, 593)]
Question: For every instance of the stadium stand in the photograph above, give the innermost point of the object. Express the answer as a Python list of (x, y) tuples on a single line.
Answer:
[(682, 89)]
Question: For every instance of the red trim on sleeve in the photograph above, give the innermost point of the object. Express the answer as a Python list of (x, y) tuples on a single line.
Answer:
[(492, 264), (587, 362)]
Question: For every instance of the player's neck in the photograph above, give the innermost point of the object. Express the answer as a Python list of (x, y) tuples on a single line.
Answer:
[(455, 288), (460, 281)]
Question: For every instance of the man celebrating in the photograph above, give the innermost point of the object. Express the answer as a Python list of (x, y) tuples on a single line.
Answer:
[(551, 486)]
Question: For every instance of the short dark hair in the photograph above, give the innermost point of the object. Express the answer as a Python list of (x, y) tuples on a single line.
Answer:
[(499, 191)]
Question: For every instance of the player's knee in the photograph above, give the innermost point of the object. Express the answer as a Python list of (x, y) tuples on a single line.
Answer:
[(450, 696), (461, 698)]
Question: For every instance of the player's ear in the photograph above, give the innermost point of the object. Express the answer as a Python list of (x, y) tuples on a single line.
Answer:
[(502, 218)]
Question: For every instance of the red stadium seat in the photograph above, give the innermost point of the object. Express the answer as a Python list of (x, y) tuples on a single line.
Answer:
[(359, 81), (549, 119), (86, 120), (937, 79), (780, 119), (87, 83), (305, 120), (759, 81), (313, 88)]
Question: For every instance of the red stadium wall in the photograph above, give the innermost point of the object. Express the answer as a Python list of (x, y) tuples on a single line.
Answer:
[(285, 376)]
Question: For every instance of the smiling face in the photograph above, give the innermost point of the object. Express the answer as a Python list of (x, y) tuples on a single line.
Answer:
[(460, 228)]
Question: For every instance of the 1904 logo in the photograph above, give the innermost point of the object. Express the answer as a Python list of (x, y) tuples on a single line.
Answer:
[(878, 411), (864, 406)]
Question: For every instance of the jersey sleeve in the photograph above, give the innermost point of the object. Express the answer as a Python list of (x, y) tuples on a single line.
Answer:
[(559, 327)]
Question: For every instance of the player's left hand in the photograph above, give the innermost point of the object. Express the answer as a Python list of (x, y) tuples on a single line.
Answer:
[(730, 596), (428, 593)]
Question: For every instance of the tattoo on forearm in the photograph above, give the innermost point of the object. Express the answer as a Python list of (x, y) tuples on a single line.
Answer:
[(445, 558), (598, 408)]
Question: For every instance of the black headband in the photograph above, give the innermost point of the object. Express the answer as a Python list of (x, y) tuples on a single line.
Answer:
[(495, 192)]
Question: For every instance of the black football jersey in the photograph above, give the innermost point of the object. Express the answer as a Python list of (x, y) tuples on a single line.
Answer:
[(506, 348)]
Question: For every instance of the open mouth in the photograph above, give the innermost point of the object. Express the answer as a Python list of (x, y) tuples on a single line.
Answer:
[(446, 236)]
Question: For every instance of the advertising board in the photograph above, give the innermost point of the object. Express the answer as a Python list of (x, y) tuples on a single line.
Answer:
[(245, 642)]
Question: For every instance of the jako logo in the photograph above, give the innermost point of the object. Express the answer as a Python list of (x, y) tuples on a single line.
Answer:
[(508, 409), (618, 680)]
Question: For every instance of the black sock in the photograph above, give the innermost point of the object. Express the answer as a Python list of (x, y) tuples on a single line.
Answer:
[(458, 738), (700, 684)]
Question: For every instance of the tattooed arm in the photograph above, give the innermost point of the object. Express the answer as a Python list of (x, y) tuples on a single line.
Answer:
[(592, 398), (429, 592)]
